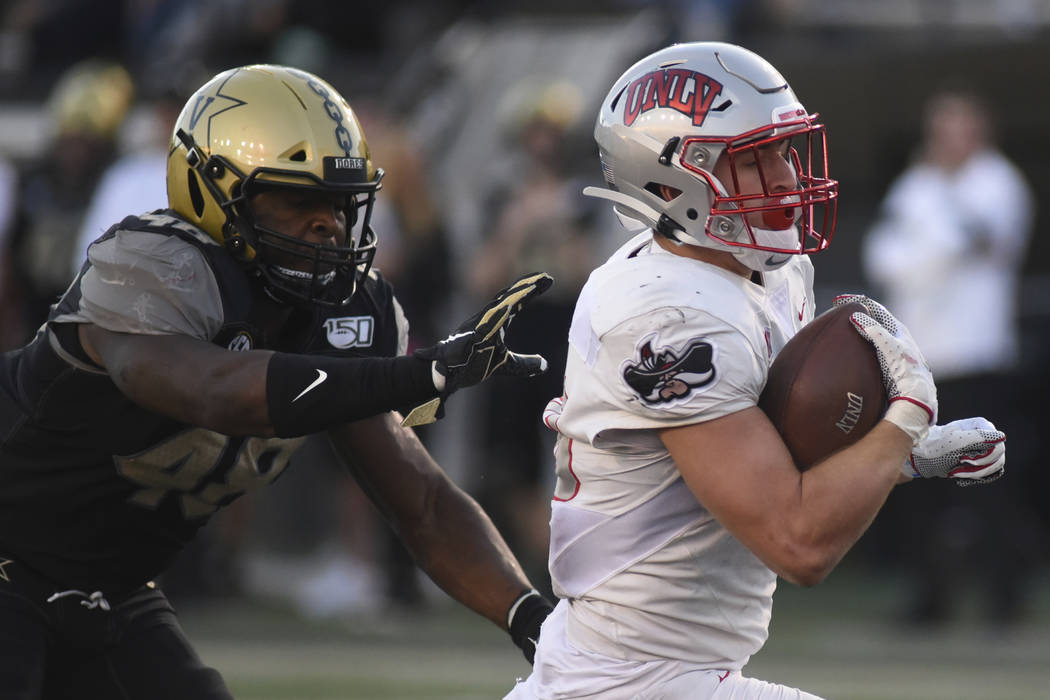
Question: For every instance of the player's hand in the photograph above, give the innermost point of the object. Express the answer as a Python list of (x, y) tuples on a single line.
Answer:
[(969, 451), (476, 350), (905, 374)]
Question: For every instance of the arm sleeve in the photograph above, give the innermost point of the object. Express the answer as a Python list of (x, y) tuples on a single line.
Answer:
[(309, 393)]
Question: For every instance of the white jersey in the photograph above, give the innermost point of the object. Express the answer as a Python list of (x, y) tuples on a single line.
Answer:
[(948, 249), (660, 340)]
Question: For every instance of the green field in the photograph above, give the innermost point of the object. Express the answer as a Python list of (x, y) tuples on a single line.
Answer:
[(838, 640)]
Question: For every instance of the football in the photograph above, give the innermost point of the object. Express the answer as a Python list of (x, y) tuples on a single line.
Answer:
[(824, 390)]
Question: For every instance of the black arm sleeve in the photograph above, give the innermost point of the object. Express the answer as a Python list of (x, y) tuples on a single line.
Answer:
[(309, 393)]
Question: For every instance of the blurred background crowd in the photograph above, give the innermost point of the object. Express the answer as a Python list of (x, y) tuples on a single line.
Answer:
[(481, 114)]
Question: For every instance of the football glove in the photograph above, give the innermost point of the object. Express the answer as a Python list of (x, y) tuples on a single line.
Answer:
[(476, 350), (909, 383), (969, 451)]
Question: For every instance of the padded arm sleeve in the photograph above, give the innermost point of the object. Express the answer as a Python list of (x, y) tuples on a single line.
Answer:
[(309, 393)]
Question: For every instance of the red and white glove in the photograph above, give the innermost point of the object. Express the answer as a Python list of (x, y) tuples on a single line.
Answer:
[(970, 451), (909, 383)]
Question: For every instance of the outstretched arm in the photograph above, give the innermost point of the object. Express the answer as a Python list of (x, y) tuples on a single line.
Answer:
[(447, 532), (266, 393), (257, 392)]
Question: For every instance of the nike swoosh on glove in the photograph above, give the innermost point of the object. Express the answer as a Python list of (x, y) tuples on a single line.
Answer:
[(969, 451), (476, 350)]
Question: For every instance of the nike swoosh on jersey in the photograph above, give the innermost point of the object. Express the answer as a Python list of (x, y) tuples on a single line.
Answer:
[(321, 376)]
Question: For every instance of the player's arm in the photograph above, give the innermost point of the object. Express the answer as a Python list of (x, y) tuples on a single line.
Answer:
[(800, 524), (447, 532), (257, 392), (273, 393)]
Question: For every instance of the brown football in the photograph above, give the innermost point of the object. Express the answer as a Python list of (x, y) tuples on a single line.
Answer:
[(824, 390)]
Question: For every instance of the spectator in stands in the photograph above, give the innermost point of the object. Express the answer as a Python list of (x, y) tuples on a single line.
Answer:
[(946, 249)]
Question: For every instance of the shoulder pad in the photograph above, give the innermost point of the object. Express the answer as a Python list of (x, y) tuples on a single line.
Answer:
[(637, 286), (164, 221)]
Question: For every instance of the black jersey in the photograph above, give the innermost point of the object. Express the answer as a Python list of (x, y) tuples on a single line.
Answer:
[(99, 493)]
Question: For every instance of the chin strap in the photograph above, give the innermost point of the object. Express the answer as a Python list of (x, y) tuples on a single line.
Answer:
[(642, 212), (755, 259), (650, 216)]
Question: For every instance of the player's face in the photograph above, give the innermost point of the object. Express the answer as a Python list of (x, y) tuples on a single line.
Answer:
[(308, 215), (767, 168)]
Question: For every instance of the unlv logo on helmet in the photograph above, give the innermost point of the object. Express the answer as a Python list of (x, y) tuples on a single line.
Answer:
[(682, 90)]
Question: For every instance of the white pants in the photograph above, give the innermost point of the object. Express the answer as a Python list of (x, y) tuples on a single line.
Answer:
[(562, 672)]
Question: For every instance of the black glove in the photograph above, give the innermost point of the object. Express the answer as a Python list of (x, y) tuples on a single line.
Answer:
[(475, 351), (526, 616)]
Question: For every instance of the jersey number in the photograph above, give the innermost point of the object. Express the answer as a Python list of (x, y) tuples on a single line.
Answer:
[(203, 469)]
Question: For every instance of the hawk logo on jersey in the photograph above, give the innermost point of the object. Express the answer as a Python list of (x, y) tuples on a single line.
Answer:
[(666, 375)]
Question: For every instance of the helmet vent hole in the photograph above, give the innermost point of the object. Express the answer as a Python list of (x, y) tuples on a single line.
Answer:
[(664, 192), (300, 152), (692, 214), (196, 198)]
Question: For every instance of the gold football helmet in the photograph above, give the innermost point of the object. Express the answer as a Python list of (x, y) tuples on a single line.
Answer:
[(91, 98), (264, 126)]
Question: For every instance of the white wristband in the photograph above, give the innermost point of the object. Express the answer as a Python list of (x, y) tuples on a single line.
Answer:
[(912, 418), (517, 604), (437, 377)]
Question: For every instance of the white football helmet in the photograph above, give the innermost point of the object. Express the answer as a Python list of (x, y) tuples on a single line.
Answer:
[(668, 120)]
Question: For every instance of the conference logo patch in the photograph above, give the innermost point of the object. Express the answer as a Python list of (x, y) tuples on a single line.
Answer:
[(241, 342)]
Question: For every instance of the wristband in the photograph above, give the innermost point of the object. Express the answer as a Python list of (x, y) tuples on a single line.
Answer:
[(309, 393), (517, 604), (911, 417), (524, 619)]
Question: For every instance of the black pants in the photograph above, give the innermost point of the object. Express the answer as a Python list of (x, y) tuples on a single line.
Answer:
[(74, 648)]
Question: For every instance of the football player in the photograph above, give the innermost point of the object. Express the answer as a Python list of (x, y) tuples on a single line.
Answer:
[(184, 365), (677, 504)]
